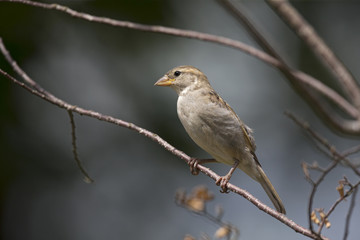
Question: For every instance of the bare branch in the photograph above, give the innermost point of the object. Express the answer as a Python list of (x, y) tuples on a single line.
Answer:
[(314, 189), (156, 29), (300, 82), (336, 158), (306, 32), (62, 104), (354, 128), (280, 217), (324, 172), (17, 69), (297, 77), (327, 92), (351, 151), (349, 214), (332, 208), (238, 12), (331, 148)]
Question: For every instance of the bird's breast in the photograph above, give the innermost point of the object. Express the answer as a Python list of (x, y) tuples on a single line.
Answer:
[(214, 129)]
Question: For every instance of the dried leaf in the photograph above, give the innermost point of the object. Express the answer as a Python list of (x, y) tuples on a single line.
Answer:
[(323, 218), (203, 193), (327, 224), (340, 189), (314, 218), (222, 232), (196, 204), (322, 214)]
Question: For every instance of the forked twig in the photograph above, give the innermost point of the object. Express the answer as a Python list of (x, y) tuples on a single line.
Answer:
[(332, 208), (336, 159)]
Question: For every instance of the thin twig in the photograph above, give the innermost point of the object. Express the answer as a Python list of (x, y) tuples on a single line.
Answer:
[(337, 158), (87, 178), (313, 134), (324, 172), (332, 208), (349, 214), (351, 151), (331, 148), (237, 11), (314, 189), (17, 69)]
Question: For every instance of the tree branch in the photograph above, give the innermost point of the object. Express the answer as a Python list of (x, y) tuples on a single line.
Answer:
[(302, 83), (335, 155), (352, 127), (69, 107), (297, 77), (336, 159), (306, 32), (332, 208)]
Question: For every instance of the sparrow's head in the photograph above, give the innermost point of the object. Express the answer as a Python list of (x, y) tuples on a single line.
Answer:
[(183, 78)]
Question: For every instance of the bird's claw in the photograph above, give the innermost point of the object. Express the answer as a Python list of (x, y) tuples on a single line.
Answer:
[(193, 166), (222, 182)]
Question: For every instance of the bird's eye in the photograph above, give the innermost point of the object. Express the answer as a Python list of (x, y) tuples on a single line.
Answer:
[(177, 73)]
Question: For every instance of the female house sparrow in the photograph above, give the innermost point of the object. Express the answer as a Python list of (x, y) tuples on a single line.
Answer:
[(215, 127)]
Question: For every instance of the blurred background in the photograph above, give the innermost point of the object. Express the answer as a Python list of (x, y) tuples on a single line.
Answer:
[(112, 71)]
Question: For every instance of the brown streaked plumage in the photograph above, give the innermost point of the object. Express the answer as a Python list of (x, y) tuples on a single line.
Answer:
[(215, 127)]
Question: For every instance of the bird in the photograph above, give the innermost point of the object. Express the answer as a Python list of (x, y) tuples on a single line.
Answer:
[(214, 126)]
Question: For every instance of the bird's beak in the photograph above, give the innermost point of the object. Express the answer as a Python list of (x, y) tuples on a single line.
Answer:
[(164, 81)]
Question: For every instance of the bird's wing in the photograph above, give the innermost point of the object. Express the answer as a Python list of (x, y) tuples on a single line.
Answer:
[(248, 136), (247, 132)]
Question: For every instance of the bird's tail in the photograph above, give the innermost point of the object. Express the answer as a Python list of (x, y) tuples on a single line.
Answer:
[(270, 191)]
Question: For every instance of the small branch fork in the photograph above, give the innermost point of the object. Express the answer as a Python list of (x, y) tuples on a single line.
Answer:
[(72, 108), (336, 158)]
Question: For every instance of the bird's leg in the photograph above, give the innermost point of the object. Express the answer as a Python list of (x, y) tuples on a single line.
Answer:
[(194, 162), (223, 181)]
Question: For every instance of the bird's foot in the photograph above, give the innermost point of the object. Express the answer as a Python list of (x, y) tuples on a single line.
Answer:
[(193, 166), (222, 182)]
